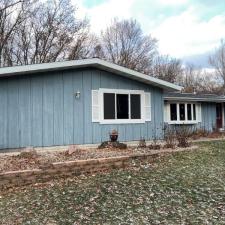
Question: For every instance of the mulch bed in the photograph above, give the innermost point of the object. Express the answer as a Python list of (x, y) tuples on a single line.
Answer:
[(30, 161)]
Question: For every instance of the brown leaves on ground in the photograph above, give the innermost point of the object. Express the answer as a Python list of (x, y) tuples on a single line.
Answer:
[(34, 160), (182, 188)]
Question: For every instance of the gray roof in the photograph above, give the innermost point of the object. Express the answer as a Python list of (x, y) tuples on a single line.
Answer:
[(96, 63), (194, 97)]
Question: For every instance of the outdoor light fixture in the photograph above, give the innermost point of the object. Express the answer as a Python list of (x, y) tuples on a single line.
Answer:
[(77, 95)]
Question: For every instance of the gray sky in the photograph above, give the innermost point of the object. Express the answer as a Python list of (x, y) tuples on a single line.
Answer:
[(187, 29)]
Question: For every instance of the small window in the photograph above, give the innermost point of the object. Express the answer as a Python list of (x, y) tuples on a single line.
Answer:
[(182, 112), (109, 106), (189, 112), (122, 106), (194, 112), (173, 112), (135, 101)]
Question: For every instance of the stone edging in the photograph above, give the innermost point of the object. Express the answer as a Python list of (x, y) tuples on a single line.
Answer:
[(73, 168)]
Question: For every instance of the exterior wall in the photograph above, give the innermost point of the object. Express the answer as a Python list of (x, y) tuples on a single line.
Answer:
[(208, 117), (41, 109)]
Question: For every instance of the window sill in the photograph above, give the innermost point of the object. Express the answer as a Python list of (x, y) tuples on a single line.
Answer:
[(183, 122), (122, 121)]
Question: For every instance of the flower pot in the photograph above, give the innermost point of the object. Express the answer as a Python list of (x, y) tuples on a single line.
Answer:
[(113, 137)]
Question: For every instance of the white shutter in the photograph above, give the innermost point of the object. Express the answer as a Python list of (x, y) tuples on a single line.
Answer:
[(147, 106), (95, 106), (199, 112), (166, 112)]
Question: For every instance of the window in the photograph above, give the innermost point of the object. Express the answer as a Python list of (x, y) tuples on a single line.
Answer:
[(122, 106), (109, 103), (194, 112), (173, 112), (116, 106), (182, 113), (135, 101), (189, 113)]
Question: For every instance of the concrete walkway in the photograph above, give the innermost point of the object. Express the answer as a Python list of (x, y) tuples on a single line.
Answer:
[(208, 139)]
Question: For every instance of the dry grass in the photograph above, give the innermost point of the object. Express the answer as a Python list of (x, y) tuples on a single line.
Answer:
[(182, 188)]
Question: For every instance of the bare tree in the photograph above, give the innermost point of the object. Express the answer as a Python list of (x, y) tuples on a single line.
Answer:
[(207, 83), (8, 4), (217, 60), (51, 33), (197, 80), (83, 45), (167, 68), (124, 43), (12, 15), (188, 78)]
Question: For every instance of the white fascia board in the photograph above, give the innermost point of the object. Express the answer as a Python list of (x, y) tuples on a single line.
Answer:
[(98, 63), (193, 99), (42, 67)]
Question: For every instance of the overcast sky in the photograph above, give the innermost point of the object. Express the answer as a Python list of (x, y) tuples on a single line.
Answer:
[(187, 29)]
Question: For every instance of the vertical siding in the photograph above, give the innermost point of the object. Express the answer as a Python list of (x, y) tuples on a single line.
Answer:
[(24, 111), (13, 131), (87, 87), (208, 116), (68, 109), (48, 110), (78, 108), (3, 114), (41, 109), (58, 122), (36, 111)]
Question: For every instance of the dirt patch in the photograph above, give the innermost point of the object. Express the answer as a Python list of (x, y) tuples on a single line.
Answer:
[(200, 134), (42, 159)]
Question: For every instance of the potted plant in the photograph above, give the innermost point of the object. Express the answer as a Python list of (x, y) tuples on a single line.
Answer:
[(113, 135)]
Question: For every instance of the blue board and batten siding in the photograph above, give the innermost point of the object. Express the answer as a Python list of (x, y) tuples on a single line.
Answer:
[(41, 109), (208, 116)]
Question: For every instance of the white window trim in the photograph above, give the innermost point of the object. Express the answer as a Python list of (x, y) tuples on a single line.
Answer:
[(121, 121), (186, 121)]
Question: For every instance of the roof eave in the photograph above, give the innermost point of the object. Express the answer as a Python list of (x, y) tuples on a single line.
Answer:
[(194, 99), (98, 63)]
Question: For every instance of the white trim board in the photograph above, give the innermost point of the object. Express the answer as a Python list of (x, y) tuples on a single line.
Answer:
[(189, 99), (95, 62)]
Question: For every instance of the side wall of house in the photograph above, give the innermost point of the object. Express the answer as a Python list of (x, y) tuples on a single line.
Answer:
[(208, 116), (41, 109)]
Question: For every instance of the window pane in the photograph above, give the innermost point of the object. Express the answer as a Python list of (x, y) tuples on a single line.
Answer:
[(122, 106), (194, 112), (182, 112), (173, 112), (109, 106), (135, 101), (189, 113)]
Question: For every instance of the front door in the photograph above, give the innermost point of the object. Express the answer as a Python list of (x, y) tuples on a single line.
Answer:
[(219, 116)]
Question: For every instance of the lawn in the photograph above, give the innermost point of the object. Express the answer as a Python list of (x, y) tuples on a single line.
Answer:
[(182, 188)]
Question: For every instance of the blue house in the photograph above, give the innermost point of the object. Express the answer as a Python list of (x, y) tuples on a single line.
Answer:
[(80, 102)]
